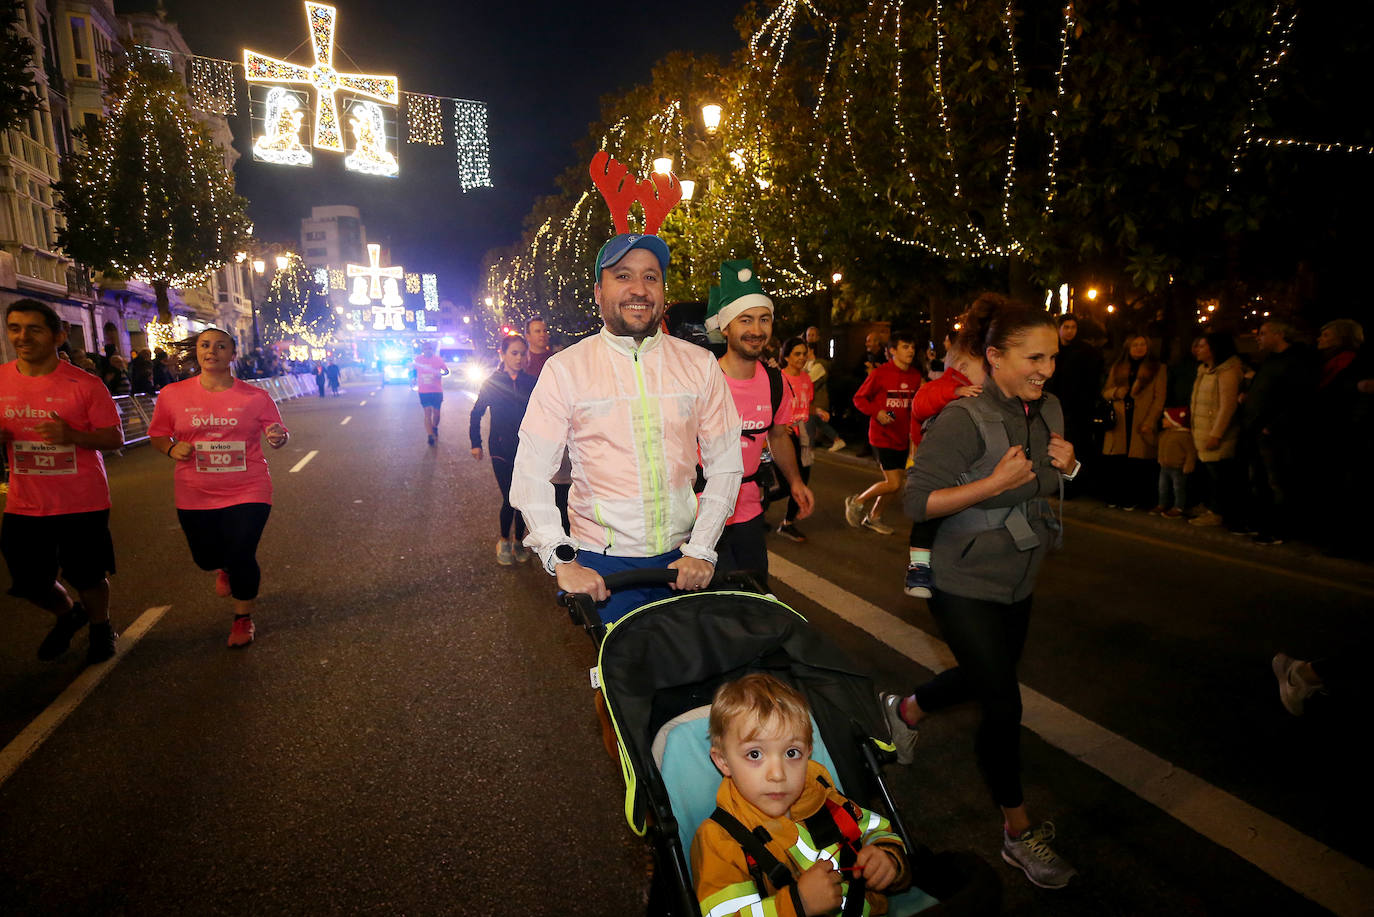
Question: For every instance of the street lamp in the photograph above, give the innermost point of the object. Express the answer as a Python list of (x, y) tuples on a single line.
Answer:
[(259, 266), (1092, 293), (664, 165), (282, 262), (836, 277), (689, 188), (710, 116)]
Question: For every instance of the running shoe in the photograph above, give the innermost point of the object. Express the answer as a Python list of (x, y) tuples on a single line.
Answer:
[(1174, 513), (853, 511), (904, 736), (431, 439), (241, 634), (504, 555), (1293, 691), (791, 532), (837, 445), (1208, 518), (60, 637), (873, 525), (1030, 852), (222, 583), (1158, 510), (918, 581), (522, 553), (102, 645), (1267, 539)]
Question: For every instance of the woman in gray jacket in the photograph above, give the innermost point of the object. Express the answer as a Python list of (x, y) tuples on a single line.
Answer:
[(985, 467)]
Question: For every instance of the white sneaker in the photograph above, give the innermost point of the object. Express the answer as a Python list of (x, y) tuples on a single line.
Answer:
[(1031, 853), (873, 525), (1293, 690), (504, 555), (837, 445), (853, 511)]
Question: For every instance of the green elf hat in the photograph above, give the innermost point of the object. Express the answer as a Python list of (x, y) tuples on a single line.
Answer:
[(739, 290)]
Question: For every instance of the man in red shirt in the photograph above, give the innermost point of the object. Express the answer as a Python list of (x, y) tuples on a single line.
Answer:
[(885, 397), (54, 420), (537, 337), (744, 316)]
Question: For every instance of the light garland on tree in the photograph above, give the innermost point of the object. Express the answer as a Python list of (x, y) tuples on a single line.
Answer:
[(470, 140), (1265, 78), (424, 119), (337, 279), (164, 336), (322, 279)]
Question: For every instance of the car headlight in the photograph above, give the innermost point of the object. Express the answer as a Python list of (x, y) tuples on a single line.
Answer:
[(475, 373)]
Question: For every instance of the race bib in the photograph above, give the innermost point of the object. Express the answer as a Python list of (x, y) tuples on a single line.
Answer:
[(428, 378), (221, 456), (42, 458)]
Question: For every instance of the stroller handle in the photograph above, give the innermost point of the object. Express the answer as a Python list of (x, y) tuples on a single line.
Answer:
[(583, 611)]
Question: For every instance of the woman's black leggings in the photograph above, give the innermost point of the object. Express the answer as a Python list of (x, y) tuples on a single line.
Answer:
[(792, 507), (986, 639), (227, 539), (504, 468)]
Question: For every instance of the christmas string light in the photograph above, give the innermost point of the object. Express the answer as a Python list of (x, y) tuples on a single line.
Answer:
[(370, 155), (470, 139), (1318, 146), (1065, 29), (322, 279), (412, 283), (431, 288), (1264, 79), (212, 86), (336, 279), (424, 119)]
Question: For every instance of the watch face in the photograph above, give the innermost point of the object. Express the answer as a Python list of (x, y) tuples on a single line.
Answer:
[(566, 553)]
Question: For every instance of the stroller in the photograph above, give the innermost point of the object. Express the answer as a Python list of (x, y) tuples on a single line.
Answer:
[(658, 669)]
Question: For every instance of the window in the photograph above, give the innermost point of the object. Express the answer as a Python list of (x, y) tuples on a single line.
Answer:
[(81, 49), (316, 252), (314, 236), (92, 124)]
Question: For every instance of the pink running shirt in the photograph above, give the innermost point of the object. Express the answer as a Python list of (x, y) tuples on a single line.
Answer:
[(50, 480), (429, 374), (753, 400), (225, 430), (803, 392)]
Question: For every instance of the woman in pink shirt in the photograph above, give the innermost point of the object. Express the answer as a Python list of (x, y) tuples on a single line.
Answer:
[(212, 426), (803, 393)]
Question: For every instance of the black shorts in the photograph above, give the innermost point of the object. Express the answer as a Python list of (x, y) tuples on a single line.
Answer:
[(431, 399), (38, 548), (890, 459)]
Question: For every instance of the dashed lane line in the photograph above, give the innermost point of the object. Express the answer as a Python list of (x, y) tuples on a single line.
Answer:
[(363, 402), (22, 746), (303, 462), (345, 421), (1307, 866)]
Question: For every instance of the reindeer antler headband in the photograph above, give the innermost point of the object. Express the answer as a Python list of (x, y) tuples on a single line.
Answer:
[(658, 194)]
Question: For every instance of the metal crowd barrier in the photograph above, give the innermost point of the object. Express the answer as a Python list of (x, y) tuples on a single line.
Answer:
[(136, 411)]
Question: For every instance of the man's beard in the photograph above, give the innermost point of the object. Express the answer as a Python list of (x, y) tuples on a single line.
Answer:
[(738, 348)]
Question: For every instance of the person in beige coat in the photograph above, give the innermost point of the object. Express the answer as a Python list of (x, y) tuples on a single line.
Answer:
[(1136, 386), (1216, 396)]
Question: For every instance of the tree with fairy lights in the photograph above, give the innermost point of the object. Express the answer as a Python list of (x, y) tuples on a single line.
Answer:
[(150, 198), (18, 95), (296, 308)]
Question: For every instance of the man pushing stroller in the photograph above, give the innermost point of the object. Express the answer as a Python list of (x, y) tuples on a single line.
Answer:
[(783, 841)]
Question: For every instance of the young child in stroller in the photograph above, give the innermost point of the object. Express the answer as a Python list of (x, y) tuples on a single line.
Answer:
[(776, 806)]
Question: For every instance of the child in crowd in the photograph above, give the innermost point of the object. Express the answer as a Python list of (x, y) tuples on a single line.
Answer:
[(961, 378), (1177, 460), (776, 809)]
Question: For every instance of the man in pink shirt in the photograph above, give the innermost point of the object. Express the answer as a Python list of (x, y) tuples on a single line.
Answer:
[(54, 420), (744, 315), (429, 375)]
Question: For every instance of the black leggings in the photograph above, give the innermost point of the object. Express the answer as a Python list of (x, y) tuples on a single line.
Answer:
[(792, 507), (987, 639), (923, 533), (504, 468), (227, 539)]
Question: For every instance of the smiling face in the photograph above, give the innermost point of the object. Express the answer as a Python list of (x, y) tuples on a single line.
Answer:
[(748, 333), (767, 761), (214, 351), (33, 341), (630, 295), (1020, 371), (796, 359)]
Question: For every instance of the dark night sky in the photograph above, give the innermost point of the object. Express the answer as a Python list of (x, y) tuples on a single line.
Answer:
[(541, 67)]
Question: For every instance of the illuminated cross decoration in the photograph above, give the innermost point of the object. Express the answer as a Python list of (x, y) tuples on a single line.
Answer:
[(327, 81), (374, 271)]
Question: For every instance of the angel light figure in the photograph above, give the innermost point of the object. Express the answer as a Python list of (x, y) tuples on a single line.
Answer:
[(369, 133), (282, 142)]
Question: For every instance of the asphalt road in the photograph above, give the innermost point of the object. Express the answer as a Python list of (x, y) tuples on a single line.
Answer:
[(412, 731)]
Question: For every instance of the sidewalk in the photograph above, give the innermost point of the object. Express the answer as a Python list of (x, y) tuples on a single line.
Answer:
[(1296, 554)]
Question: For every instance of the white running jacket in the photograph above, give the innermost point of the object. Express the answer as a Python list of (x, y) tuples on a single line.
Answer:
[(632, 419)]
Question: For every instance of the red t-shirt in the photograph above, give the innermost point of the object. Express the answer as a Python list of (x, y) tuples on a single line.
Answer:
[(429, 374), (888, 388), (536, 362), (753, 400), (932, 398), (225, 430), (803, 392), (48, 480)]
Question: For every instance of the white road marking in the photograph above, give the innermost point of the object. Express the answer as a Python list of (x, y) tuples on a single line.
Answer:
[(305, 461), (1307, 866), (346, 420), (27, 742)]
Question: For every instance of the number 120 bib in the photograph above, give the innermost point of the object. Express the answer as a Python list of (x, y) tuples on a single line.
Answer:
[(221, 456)]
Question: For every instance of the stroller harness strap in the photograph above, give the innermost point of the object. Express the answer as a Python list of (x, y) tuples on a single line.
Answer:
[(832, 824)]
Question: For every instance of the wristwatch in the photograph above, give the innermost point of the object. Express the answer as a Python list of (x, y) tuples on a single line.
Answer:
[(1077, 467), (564, 554)]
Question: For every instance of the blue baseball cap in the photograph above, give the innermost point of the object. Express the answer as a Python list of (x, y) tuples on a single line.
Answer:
[(620, 246)]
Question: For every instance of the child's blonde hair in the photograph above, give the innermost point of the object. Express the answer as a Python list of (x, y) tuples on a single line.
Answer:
[(765, 698)]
